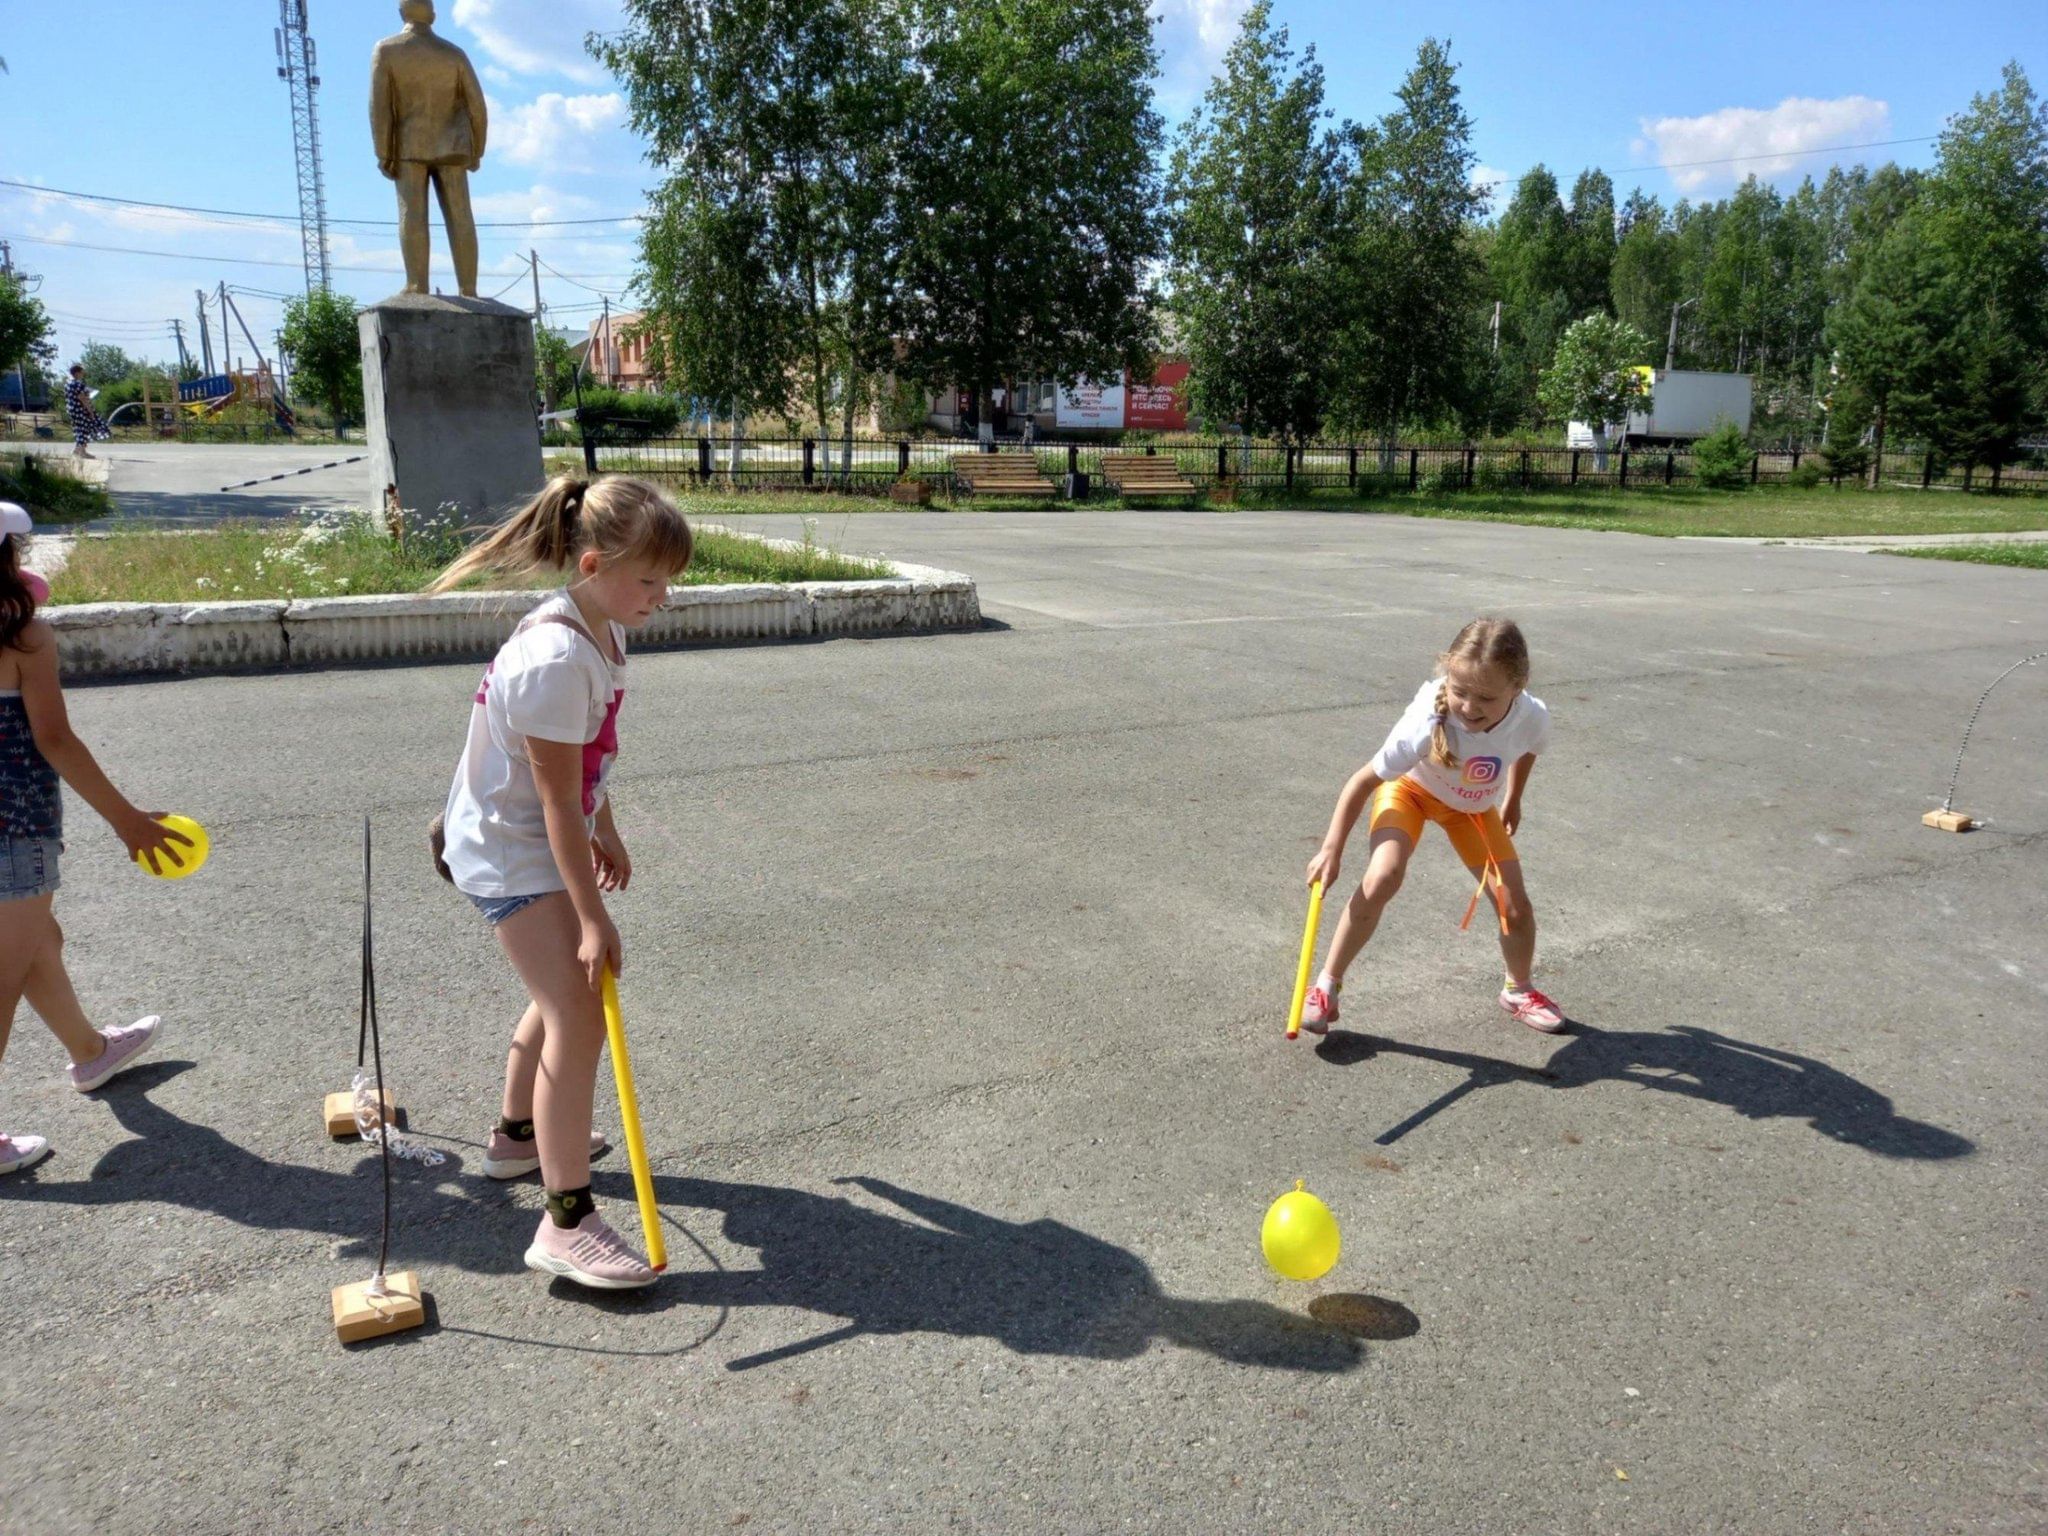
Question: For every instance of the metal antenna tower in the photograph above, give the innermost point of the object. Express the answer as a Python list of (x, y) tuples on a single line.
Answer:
[(296, 62)]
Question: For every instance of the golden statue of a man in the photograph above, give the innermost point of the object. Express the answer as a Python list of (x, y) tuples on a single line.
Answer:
[(427, 121)]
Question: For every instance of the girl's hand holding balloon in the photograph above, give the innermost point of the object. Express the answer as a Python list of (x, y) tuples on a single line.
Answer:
[(159, 848)]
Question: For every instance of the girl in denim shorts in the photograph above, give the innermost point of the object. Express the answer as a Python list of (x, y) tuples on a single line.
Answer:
[(37, 749), (528, 833)]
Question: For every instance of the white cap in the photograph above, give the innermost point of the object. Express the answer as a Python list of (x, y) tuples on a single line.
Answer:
[(14, 519)]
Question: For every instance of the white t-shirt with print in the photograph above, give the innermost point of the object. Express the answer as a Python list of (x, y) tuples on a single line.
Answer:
[(548, 681), (1484, 757)]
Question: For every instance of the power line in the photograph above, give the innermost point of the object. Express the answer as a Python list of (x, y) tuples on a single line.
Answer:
[(288, 220), (257, 261), (572, 282), (1780, 154)]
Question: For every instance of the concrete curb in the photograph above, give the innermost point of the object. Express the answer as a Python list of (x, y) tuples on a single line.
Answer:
[(103, 640)]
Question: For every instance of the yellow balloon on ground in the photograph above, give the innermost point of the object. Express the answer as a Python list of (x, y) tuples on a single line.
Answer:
[(1300, 1236), (182, 860)]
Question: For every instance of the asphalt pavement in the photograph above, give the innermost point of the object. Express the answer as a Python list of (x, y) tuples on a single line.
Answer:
[(956, 968)]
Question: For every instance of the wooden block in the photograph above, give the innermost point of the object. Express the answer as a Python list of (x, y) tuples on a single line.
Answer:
[(358, 1315), (1949, 821), (340, 1113)]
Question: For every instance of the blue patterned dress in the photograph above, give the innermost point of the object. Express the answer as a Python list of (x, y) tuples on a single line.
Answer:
[(30, 806)]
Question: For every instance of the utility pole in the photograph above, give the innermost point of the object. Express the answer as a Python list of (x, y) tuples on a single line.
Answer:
[(1496, 327), (611, 367), (1671, 341), (184, 357), (226, 363), (205, 336), (533, 258)]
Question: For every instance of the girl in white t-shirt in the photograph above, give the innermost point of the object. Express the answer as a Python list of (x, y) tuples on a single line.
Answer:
[(1460, 756), (529, 835)]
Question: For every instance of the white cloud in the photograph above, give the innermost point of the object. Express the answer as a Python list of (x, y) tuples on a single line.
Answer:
[(538, 201), (1769, 140), (553, 130), (1492, 180), (1192, 36), (539, 37)]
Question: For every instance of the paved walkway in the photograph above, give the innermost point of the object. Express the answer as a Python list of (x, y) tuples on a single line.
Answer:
[(955, 973)]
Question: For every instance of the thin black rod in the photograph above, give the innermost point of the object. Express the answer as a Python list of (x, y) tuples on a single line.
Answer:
[(376, 1050)]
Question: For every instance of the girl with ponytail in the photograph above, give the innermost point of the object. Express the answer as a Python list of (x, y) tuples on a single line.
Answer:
[(1460, 756), (528, 833)]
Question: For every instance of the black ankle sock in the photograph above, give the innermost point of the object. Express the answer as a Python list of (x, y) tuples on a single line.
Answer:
[(518, 1130), (568, 1207)]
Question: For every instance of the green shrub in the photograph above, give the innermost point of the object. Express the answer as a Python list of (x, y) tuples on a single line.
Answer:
[(1846, 461), (1720, 460), (656, 415), (1805, 477)]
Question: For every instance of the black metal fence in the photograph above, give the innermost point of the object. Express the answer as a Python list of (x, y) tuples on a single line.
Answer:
[(872, 465)]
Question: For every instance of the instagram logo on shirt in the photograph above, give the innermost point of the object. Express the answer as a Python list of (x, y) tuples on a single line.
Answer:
[(1481, 770)]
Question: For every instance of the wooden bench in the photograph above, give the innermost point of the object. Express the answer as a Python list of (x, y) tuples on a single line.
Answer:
[(1145, 474), (1001, 474)]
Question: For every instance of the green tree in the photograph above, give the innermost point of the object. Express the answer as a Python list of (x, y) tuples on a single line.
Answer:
[(1411, 270), (1529, 269), (1593, 378), (554, 364), (776, 123), (104, 364), (1025, 223), (1643, 278), (1256, 226), (1986, 222), (24, 332), (1893, 338), (321, 338), (1590, 262)]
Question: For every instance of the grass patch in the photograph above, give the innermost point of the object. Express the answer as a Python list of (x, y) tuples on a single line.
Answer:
[(52, 493), (352, 556), (1766, 512), (2030, 554)]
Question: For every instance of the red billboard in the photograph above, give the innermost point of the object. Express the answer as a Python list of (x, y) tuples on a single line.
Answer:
[(1159, 405)]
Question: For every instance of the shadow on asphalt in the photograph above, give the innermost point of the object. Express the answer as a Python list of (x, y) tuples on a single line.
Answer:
[(198, 509), (1038, 1287), (1758, 1082)]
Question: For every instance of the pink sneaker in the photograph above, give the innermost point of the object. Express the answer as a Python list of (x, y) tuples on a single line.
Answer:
[(1318, 1011), (1528, 1006), (125, 1048), (20, 1152), (505, 1158), (590, 1253)]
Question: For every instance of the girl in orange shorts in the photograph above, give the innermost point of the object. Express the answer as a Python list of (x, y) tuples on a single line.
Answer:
[(1460, 757)]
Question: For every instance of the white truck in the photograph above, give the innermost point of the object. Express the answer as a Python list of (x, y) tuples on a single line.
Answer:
[(1683, 405)]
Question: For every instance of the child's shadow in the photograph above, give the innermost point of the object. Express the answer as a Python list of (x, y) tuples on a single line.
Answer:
[(1756, 1081), (1036, 1287)]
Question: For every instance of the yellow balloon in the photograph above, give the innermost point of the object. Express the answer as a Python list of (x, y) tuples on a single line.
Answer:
[(182, 860), (1300, 1236)]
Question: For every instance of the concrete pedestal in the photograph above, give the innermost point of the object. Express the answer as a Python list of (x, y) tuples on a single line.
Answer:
[(448, 386)]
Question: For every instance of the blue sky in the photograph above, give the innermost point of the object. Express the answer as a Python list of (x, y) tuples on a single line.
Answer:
[(182, 104)]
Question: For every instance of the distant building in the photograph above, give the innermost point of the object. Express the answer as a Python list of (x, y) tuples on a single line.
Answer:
[(617, 352)]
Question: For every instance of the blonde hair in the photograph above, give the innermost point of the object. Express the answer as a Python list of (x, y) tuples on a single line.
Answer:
[(1482, 643), (619, 517)]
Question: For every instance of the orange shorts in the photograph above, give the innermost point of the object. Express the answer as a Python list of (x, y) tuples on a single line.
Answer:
[(1405, 805)]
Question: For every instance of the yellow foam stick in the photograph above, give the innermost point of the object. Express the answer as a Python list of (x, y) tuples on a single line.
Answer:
[(629, 1112), (1308, 955)]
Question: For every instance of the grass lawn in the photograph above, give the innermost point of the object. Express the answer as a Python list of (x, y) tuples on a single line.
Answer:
[(1761, 513), (51, 491), (2032, 554), (352, 557), (1764, 512)]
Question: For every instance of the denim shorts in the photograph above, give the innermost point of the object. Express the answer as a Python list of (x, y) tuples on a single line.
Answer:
[(497, 908), (28, 866)]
